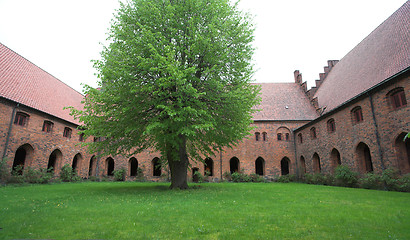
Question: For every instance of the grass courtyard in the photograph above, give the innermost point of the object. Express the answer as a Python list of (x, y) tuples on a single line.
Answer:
[(131, 210)]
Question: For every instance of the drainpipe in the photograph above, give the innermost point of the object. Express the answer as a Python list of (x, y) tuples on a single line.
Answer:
[(9, 131), (376, 131)]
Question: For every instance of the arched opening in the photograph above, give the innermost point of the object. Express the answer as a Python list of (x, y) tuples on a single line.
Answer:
[(54, 161), (316, 163), (156, 167), (302, 165), (209, 167), (284, 166), (234, 164), (110, 166), (335, 159), (76, 163), (195, 177), (260, 166), (21, 158), (364, 158), (91, 167), (133, 166), (402, 148)]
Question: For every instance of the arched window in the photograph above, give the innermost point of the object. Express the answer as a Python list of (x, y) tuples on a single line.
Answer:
[(335, 159), (156, 167), (21, 119), (287, 136), (331, 125), (300, 138), (133, 167), (209, 167), (316, 163), (284, 166), (403, 153), (313, 133), (283, 133), (67, 132), (54, 161), (264, 136), (260, 166), (234, 164), (110, 166), (364, 158), (357, 115), (47, 126), (397, 98), (279, 136), (257, 136)]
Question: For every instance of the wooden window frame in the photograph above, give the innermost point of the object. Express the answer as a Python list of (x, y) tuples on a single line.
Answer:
[(67, 132), (21, 119), (47, 126)]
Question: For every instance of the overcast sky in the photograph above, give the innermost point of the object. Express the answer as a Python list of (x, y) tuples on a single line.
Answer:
[(62, 36)]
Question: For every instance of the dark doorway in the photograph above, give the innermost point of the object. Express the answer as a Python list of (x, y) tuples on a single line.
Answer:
[(110, 166), (156, 165), (402, 148), (133, 165), (234, 164), (259, 166), (364, 158), (284, 166), (19, 161), (335, 159), (195, 177), (76, 162), (91, 166), (302, 165), (316, 163), (209, 167)]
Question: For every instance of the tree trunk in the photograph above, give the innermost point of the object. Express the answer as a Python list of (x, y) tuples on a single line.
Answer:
[(178, 164)]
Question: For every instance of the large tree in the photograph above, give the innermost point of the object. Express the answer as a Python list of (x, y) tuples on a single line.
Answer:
[(175, 78)]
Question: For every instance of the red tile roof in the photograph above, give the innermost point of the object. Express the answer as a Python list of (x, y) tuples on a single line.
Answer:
[(284, 101), (23, 82), (383, 53)]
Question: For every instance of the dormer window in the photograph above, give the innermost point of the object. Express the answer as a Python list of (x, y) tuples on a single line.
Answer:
[(331, 125), (21, 119), (357, 115), (67, 132)]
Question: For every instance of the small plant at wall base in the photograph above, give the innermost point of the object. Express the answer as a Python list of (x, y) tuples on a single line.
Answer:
[(345, 177), (68, 175), (119, 175)]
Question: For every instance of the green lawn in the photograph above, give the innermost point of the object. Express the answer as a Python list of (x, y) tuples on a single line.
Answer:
[(130, 210)]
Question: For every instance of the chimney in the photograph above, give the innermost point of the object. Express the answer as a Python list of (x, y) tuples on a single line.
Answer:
[(298, 76)]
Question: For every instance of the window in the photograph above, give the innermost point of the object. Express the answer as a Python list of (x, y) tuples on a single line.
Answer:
[(47, 126), (313, 133), (257, 136), (264, 136), (21, 119), (81, 138), (331, 126), (398, 98), (357, 115), (287, 136), (300, 138), (279, 136), (67, 132)]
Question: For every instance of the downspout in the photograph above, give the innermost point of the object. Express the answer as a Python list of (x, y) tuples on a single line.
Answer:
[(376, 131), (6, 145)]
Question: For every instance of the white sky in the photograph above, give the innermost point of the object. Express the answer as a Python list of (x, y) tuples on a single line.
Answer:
[(62, 36)]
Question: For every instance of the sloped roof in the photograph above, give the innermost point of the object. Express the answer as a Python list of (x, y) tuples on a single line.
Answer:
[(23, 82), (382, 54), (284, 101)]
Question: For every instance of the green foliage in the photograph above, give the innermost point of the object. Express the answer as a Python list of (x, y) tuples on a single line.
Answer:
[(256, 178), (176, 77), (240, 177), (198, 177), (372, 181), (68, 175), (227, 176), (345, 177), (38, 176), (119, 175), (140, 175), (4, 174), (287, 178)]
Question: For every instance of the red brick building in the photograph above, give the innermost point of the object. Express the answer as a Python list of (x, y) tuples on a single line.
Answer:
[(356, 115)]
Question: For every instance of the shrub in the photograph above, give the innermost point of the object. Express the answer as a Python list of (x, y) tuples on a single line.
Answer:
[(4, 174), (68, 175), (286, 178), (38, 176), (405, 183), (240, 177), (371, 181), (227, 176), (198, 177), (140, 175), (345, 177), (119, 175), (256, 178), (391, 177)]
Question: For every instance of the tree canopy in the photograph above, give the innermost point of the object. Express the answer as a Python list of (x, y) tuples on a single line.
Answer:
[(176, 78)]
